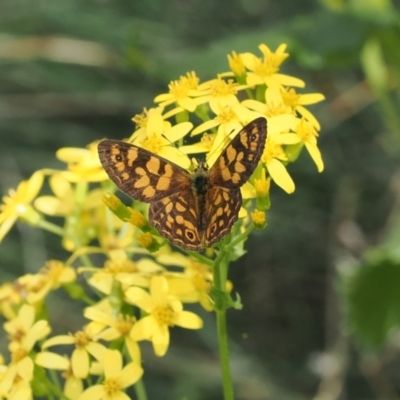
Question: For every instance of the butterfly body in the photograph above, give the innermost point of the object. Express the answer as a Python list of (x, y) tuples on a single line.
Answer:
[(191, 210)]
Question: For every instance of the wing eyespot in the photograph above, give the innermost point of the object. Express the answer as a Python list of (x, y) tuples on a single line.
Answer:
[(118, 158), (190, 234), (213, 228)]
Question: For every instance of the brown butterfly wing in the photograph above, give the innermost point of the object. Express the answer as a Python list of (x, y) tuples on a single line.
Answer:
[(240, 157), (176, 217), (222, 210), (230, 171), (139, 173)]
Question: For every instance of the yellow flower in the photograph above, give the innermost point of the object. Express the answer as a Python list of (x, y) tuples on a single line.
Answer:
[(85, 345), (265, 71), (221, 92), (64, 201), (116, 378), (307, 134), (11, 296), (164, 311), (17, 204), (53, 275), (274, 104), (181, 93), (297, 101), (157, 136), (193, 285), (274, 156), (258, 218), (20, 389), (123, 270), (73, 386), (236, 64), (262, 185), (115, 327), (83, 164), (23, 332), (229, 120)]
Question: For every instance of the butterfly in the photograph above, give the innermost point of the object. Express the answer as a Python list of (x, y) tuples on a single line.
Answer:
[(192, 210)]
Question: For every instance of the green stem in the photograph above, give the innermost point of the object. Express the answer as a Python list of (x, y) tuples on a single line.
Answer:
[(243, 236), (220, 275), (140, 390), (200, 258), (224, 356), (48, 226)]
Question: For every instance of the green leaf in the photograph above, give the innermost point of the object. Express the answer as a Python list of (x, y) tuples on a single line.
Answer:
[(373, 300)]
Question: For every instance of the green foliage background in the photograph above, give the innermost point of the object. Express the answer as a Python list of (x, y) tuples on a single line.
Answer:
[(320, 286)]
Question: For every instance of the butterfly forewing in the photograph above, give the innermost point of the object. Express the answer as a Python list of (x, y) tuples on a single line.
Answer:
[(139, 173), (240, 157)]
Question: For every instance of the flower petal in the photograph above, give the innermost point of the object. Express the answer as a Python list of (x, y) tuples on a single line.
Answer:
[(188, 320), (130, 375), (161, 340), (95, 392), (315, 155), (51, 360), (80, 363), (139, 297), (144, 328), (112, 364), (280, 176)]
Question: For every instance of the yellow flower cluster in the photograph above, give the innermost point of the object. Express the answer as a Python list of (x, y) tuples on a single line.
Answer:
[(119, 254)]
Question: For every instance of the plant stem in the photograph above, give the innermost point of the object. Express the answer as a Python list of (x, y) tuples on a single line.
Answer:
[(220, 276), (224, 355), (140, 390), (49, 226)]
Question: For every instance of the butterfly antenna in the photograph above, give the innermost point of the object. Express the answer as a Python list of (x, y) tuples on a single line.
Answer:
[(173, 144)]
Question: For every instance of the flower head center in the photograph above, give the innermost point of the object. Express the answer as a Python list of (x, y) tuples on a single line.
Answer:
[(164, 315), (226, 115), (264, 68), (111, 387), (18, 355), (81, 339), (124, 324), (290, 97), (153, 143), (306, 131), (273, 109), (273, 150), (220, 87), (18, 335)]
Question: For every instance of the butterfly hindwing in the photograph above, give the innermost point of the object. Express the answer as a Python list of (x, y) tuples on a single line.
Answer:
[(240, 157), (222, 210), (139, 173), (176, 217)]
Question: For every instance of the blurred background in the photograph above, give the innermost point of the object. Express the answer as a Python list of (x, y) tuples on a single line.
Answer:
[(321, 286)]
